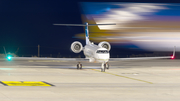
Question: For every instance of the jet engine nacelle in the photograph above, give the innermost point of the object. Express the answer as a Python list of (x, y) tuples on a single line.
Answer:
[(76, 47), (105, 44)]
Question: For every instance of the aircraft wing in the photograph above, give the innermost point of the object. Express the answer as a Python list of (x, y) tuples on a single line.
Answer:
[(43, 58), (84, 60), (144, 58), (140, 58)]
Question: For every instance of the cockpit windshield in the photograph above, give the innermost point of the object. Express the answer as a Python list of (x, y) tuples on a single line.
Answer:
[(102, 51)]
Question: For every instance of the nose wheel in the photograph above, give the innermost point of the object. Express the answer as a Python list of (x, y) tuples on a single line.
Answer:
[(104, 66), (79, 66)]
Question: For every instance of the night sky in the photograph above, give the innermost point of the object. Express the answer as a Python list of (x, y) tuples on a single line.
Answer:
[(26, 23)]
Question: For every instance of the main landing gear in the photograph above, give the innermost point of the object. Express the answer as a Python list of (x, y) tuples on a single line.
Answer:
[(104, 66), (79, 66)]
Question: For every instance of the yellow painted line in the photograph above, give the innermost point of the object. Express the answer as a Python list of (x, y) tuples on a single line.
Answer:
[(25, 83), (44, 61), (124, 76)]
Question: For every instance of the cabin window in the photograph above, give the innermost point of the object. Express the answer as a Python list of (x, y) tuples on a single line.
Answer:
[(102, 51)]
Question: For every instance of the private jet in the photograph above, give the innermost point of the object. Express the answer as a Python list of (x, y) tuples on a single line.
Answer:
[(93, 53)]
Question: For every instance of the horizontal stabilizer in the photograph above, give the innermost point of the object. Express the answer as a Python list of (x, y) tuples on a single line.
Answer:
[(101, 24), (86, 25), (83, 24)]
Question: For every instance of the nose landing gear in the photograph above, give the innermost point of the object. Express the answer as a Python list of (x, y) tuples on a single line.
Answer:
[(107, 65), (104, 66)]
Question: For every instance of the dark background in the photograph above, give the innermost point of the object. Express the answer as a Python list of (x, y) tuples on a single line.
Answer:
[(25, 24)]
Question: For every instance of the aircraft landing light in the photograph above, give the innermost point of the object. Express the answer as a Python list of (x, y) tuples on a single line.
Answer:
[(25, 83)]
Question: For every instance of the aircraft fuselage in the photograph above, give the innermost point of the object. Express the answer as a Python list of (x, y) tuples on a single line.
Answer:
[(96, 54)]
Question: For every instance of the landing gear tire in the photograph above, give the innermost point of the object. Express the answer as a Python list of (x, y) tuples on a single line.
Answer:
[(103, 68), (107, 65), (79, 66)]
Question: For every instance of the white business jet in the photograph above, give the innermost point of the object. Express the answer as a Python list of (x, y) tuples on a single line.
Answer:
[(99, 53), (93, 53)]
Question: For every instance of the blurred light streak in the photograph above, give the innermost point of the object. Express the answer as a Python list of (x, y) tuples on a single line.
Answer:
[(149, 26)]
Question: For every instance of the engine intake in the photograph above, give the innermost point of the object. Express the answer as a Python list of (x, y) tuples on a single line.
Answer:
[(76, 47), (105, 44)]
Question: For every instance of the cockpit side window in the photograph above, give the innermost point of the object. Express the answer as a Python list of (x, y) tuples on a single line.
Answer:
[(102, 51)]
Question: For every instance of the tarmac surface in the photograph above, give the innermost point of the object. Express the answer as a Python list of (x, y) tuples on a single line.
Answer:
[(148, 80)]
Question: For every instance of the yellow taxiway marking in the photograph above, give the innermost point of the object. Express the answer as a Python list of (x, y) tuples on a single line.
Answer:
[(25, 83), (124, 76), (44, 61)]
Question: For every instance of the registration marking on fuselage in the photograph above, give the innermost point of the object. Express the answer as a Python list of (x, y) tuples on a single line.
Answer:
[(25, 83)]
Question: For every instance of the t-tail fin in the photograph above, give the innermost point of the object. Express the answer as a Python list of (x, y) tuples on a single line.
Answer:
[(86, 28), (87, 33)]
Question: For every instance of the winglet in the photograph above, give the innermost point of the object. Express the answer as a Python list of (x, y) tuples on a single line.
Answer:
[(172, 57)]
